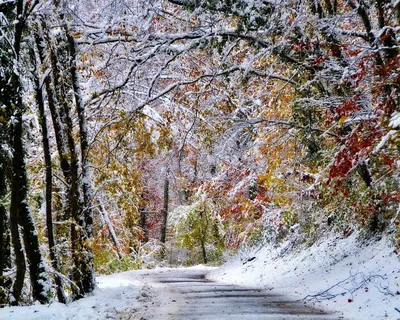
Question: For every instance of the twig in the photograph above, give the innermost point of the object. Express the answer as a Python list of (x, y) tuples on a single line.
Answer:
[(327, 295)]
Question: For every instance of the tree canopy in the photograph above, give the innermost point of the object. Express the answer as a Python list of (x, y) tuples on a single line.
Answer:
[(136, 133)]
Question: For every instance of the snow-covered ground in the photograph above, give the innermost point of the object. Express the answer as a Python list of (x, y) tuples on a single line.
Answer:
[(116, 295), (357, 280), (124, 296)]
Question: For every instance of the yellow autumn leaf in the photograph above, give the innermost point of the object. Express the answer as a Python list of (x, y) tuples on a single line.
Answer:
[(341, 120)]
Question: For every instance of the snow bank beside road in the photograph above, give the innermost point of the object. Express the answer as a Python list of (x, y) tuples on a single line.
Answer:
[(363, 278), (117, 297), (125, 295)]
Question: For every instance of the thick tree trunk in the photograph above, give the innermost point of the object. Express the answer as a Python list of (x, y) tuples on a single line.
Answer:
[(20, 209), (18, 251), (5, 251), (7, 94)]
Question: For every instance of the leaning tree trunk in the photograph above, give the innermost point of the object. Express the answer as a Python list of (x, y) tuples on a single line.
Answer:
[(103, 212)]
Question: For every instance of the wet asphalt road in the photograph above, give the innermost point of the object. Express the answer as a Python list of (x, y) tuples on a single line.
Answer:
[(185, 294)]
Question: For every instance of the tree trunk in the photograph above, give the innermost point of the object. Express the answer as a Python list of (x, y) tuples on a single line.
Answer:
[(203, 250), (49, 188), (364, 173), (19, 207), (111, 230), (18, 251), (143, 224), (52, 103), (5, 253), (69, 161), (203, 235), (51, 83), (86, 220), (7, 94), (165, 211), (81, 226), (19, 211)]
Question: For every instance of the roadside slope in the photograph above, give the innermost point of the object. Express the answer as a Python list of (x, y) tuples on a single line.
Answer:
[(358, 280)]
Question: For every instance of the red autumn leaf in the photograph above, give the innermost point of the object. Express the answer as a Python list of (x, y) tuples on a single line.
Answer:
[(356, 148)]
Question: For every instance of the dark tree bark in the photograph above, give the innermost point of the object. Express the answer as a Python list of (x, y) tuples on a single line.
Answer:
[(53, 103), (165, 211), (63, 127), (19, 203), (49, 187), (203, 250), (5, 250), (203, 235), (86, 218), (64, 76), (364, 173), (143, 224), (19, 210), (7, 96), (18, 251), (73, 206)]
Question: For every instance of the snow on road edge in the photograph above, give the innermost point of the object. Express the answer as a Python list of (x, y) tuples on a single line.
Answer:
[(117, 295), (121, 296)]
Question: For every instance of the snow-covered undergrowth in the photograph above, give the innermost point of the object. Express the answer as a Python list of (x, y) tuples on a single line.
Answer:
[(118, 296), (357, 279)]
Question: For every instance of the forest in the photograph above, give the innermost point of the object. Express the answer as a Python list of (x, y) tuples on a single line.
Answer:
[(136, 134)]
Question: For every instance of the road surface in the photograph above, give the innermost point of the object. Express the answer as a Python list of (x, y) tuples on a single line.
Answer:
[(185, 294)]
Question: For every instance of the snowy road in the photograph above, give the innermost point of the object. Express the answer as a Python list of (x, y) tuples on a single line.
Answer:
[(186, 294)]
